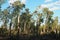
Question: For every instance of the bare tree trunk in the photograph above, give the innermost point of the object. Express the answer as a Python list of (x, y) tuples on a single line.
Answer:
[(24, 26), (10, 29), (5, 25), (18, 23), (28, 27)]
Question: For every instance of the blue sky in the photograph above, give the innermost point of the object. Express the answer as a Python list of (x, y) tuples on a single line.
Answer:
[(53, 5)]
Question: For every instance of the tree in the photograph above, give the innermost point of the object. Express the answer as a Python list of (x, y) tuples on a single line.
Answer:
[(25, 20), (48, 16), (16, 7), (1, 2), (4, 17), (55, 25), (38, 20)]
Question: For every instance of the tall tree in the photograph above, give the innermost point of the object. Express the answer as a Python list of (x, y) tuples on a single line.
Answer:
[(39, 20), (48, 16), (16, 7), (25, 19), (55, 24), (1, 2), (4, 17)]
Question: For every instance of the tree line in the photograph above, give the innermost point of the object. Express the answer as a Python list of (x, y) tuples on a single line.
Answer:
[(18, 18)]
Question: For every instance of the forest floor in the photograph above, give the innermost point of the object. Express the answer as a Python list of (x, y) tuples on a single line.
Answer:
[(35, 37)]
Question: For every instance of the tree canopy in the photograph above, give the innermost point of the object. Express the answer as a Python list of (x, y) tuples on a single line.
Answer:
[(20, 18)]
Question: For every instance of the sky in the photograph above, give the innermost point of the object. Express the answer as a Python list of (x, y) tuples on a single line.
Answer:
[(53, 5)]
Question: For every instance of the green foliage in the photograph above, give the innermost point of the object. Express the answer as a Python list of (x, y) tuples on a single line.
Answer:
[(25, 20)]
